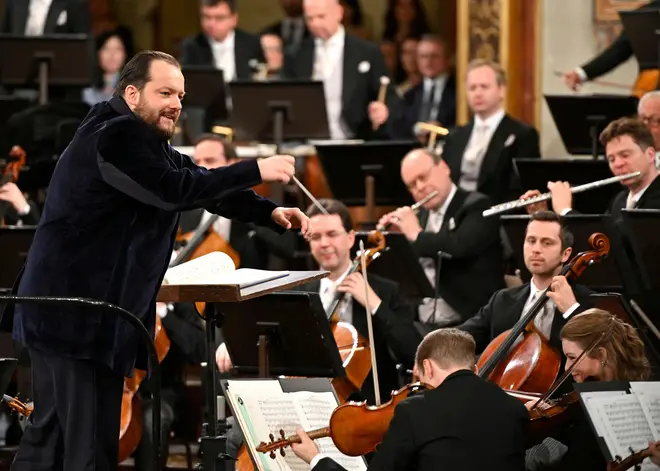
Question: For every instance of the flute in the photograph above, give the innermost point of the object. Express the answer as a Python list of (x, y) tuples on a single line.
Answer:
[(415, 207), (504, 207)]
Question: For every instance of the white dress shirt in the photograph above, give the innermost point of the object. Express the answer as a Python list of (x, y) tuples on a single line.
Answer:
[(444, 313), (222, 226), (327, 290), (36, 21), (223, 55), (482, 133), (329, 68), (545, 318)]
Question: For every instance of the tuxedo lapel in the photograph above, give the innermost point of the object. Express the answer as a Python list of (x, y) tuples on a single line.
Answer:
[(423, 217), (349, 72), (453, 211), (305, 63), (21, 8), (54, 12), (494, 150), (241, 52), (455, 160), (518, 305)]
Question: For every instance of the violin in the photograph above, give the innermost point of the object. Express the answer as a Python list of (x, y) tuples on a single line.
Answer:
[(632, 461), (15, 162), (532, 365), (355, 428)]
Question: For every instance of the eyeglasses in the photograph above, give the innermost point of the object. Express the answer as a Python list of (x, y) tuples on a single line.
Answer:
[(650, 120)]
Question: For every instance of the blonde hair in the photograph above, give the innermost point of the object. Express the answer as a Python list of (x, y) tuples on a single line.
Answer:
[(497, 68), (448, 348), (624, 347)]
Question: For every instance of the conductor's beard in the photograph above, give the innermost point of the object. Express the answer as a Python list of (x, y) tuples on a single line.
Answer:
[(163, 122)]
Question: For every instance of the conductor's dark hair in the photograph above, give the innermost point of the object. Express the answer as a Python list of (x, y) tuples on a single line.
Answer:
[(633, 127), (332, 207), (565, 234), (137, 71), (213, 3)]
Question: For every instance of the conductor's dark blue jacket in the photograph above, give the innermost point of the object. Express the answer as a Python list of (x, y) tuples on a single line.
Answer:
[(107, 232)]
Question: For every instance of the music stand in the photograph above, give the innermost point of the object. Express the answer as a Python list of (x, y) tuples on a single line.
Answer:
[(278, 111), (606, 277), (398, 263), (205, 89), (64, 60), (536, 173), (15, 244), (292, 333), (642, 29), (366, 174), (581, 118), (7, 366)]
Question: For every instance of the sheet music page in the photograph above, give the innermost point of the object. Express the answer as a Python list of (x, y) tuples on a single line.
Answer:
[(594, 413), (626, 426), (316, 409), (201, 270), (648, 393)]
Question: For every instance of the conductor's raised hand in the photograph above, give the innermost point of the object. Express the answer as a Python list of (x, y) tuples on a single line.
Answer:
[(278, 168), (292, 218)]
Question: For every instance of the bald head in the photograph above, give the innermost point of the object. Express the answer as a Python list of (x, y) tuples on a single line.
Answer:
[(422, 175), (648, 110), (323, 17)]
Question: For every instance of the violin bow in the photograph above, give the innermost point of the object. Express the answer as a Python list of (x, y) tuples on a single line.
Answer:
[(370, 326)]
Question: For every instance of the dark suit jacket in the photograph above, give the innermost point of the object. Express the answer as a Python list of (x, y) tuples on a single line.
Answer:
[(15, 15), (196, 50), (276, 29), (30, 219), (438, 429), (475, 270), (358, 88), (412, 103), (497, 178), (616, 54), (394, 333), (107, 233)]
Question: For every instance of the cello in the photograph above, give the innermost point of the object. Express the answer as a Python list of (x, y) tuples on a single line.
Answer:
[(15, 162)]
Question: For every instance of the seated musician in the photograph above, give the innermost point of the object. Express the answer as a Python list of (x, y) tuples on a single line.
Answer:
[(21, 212), (547, 247), (629, 147), (648, 110), (463, 423), (450, 233), (619, 356)]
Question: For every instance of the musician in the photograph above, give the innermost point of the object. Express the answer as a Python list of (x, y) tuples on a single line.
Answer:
[(459, 249), (330, 245), (547, 247), (619, 356), (292, 28), (39, 17), (221, 44), (351, 69), (107, 233), (434, 99), (616, 54), (438, 429), (20, 211), (480, 154), (648, 110), (629, 147)]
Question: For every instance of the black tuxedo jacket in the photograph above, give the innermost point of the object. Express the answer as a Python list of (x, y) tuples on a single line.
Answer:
[(616, 54), (276, 29), (395, 334), (196, 50), (437, 429), (15, 16), (497, 179), (475, 270), (359, 88), (107, 232), (412, 103)]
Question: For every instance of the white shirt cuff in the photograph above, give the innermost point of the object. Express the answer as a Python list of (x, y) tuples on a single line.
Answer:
[(162, 311), (581, 73), (571, 310), (565, 211), (316, 460), (374, 309), (25, 211)]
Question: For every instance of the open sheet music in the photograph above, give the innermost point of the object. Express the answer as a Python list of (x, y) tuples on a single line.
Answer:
[(261, 408), (217, 268), (625, 420)]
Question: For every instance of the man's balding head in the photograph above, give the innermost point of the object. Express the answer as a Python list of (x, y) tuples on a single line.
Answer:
[(323, 17), (648, 110), (423, 173)]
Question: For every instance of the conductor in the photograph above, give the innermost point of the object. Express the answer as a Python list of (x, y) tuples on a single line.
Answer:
[(107, 233)]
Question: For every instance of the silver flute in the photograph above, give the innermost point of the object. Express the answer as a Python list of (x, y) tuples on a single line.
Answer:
[(415, 207), (504, 207)]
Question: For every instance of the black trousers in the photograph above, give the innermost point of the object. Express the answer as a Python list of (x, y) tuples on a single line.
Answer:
[(75, 422)]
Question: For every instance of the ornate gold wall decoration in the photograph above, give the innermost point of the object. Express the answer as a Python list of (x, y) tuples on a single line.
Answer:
[(484, 26)]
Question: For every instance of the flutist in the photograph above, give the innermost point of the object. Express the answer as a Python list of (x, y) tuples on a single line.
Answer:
[(459, 250), (629, 148)]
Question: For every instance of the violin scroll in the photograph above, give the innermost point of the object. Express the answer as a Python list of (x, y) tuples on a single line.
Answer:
[(600, 244)]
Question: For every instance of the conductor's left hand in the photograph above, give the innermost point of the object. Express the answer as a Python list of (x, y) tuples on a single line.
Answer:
[(291, 218)]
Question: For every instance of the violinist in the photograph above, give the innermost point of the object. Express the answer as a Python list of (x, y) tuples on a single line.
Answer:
[(547, 247), (618, 356), (440, 428), (459, 249), (20, 211), (629, 147)]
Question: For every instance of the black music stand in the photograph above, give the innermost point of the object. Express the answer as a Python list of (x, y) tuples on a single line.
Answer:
[(206, 90), (366, 174), (606, 277), (290, 331), (581, 118), (398, 263), (15, 244), (642, 29), (7, 366), (536, 173), (278, 111), (60, 60)]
